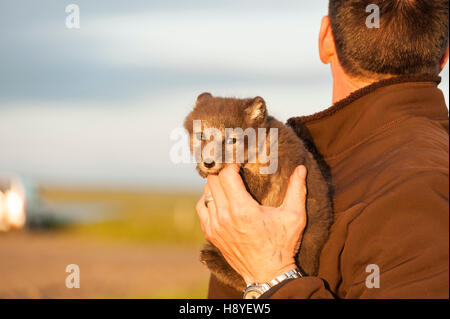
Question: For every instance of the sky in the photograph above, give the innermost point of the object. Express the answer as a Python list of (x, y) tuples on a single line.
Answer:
[(95, 106)]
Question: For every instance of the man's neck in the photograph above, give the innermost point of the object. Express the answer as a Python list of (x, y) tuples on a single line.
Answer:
[(343, 89), (344, 85)]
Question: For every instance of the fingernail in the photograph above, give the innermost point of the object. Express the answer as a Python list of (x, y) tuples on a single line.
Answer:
[(301, 171), (233, 167)]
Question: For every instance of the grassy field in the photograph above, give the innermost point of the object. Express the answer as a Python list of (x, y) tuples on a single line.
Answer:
[(33, 265), (146, 246), (136, 216)]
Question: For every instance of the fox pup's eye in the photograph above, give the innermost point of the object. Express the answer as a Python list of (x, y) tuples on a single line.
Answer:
[(231, 140), (200, 136)]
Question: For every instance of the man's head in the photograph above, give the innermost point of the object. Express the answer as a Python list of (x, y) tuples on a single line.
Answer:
[(412, 38)]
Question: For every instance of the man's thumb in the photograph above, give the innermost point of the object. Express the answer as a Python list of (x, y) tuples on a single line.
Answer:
[(296, 192)]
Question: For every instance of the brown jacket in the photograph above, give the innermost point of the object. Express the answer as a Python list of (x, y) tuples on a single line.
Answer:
[(387, 146)]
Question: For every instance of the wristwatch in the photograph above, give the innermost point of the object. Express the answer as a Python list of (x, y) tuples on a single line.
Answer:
[(254, 291)]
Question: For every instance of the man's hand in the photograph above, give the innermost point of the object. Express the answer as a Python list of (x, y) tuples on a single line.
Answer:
[(258, 242)]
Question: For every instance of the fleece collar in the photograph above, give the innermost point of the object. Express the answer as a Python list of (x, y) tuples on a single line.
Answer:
[(372, 109)]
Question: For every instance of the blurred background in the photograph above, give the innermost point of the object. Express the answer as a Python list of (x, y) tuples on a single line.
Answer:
[(85, 122)]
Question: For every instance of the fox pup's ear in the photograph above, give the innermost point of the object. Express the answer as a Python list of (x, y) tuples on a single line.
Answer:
[(256, 110), (204, 96)]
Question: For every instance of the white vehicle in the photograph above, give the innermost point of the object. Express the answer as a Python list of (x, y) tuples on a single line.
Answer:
[(21, 206), (12, 202)]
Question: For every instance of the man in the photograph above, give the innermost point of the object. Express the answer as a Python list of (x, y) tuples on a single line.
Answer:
[(386, 142)]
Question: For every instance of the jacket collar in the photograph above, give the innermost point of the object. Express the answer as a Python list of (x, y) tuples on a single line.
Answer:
[(371, 109)]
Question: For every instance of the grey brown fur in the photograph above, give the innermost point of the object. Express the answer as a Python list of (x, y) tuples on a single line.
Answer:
[(268, 190)]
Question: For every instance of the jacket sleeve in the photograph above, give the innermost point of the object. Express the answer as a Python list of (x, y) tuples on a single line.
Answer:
[(404, 232), (302, 288)]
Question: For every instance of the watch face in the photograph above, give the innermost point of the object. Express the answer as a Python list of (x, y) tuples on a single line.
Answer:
[(252, 293)]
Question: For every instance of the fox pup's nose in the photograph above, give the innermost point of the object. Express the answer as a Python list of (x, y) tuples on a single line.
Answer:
[(210, 164)]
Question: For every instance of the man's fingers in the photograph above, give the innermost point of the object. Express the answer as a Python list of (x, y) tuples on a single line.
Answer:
[(217, 192), (203, 214), (233, 186), (208, 192), (296, 192)]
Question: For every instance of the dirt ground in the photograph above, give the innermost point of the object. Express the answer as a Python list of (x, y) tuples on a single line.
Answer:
[(33, 265)]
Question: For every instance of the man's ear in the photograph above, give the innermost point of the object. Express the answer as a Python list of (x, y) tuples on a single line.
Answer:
[(327, 47), (256, 110), (204, 96)]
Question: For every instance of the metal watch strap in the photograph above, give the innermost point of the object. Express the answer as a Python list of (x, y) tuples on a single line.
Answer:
[(264, 287)]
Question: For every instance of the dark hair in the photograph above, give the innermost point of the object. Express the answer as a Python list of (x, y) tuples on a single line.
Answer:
[(411, 38)]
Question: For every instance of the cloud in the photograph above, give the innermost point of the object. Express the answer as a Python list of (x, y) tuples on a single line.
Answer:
[(96, 105), (123, 54), (258, 43)]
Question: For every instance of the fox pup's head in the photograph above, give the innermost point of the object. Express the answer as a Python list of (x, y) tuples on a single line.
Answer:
[(215, 127)]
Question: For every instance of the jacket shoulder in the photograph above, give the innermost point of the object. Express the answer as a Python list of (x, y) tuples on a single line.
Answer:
[(417, 144)]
